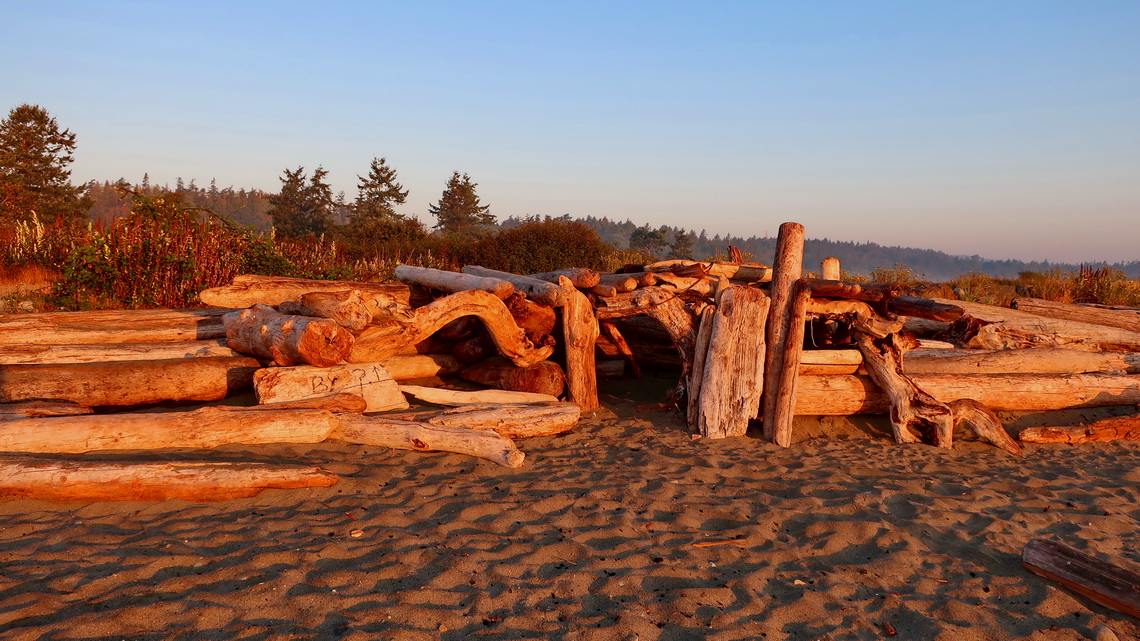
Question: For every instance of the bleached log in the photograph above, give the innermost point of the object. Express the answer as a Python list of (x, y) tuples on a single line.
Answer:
[(786, 270), (849, 395), (379, 342), (545, 377), (440, 396), (404, 367), (369, 381), (452, 282), (540, 291), (1120, 319), (44, 479), (423, 437), (820, 362), (1041, 360), (134, 326), (701, 286), (1109, 584), (128, 382), (579, 333), (700, 357), (733, 374), (208, 427), (990, 327), (106, 352), (749, 272), (780, 410), (1120, 428), (41, 409), (287, 340), (644, 279), (620, 282), (871, 292), (509, 420), (532, 317), (582, 277), (348, 309), (250, 289), (829, 269), (604, 291), (339, 403)]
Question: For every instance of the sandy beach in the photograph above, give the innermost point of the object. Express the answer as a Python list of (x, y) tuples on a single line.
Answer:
[(624, 528)]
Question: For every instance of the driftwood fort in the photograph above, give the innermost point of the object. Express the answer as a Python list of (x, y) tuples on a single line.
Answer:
[(339, 360)]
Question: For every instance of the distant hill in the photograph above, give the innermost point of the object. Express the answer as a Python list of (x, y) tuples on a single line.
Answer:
[(857, 258)]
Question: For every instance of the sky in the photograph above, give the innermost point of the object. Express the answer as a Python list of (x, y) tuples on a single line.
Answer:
[(1005, 129)]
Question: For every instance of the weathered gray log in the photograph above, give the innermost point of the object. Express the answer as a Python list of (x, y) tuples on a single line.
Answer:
[(287, 340), (424, 437), (541, 378), (452, 282), (786, 270), (1109, 584), (369, 381), (579, 333), (1120, 428), (106, 352), (1121, 319), (990, 327), (733, 373), (509, 420), (540, 291), (46, 479), (127, 382), (582, 277)]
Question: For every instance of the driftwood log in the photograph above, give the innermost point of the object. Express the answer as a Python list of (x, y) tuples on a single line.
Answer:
[(250, 289), (700, 357), (369, 381), (786, 270), (748, 272), (382, 341), (733, 371), (829, 269), (41, 409), (990, 327), (48, 479), (1120, 428), (406, 367), (534, 318), (287, 340), (1040, 360), (339, 403), (540, 291), (130, 326), (203, 428), (105, 352), (350, 309), (622, 348), (521, 420), (581, 277), (447, 281), (1121, 319), (1109, 584), (780, 388), (424, 437), (127, 382), (441, 396), (579, 333), (545, 377)]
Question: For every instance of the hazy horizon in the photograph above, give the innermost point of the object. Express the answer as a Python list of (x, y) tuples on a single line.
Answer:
[(1008, 131)]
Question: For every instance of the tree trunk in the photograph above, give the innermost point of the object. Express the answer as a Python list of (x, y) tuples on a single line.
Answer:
[(369, 381), (733, 373), (849, 395), (1110, 585), (989, 327), (452, 282), (136, 326), (1120, 319), (539, 291), (208, 427), (41, 409), (43, 479), (251, 289), (497, 372), (440, 396), (511, 421), (781, 387), (422, 437), (128, 382), (379, 342), (1120, 428), (582, 277), (579, 333), (287, 340), (406, 367), (106, 352), (786, 270)]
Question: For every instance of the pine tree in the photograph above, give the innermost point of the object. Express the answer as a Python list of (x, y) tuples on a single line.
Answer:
[(379, 193), (682, 245), (302, 207), (34, 174), (458, 208)]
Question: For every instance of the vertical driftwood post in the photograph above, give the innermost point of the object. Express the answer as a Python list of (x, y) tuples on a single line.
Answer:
[(829, 269), (734, 367), (784, 392), (786, 270), (700, 354), (580, 332)]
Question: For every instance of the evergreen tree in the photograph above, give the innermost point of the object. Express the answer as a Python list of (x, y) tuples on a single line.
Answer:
[(682, 245), (379, 193), (648, 240), (304, 205), (459, 209), (34, 174)]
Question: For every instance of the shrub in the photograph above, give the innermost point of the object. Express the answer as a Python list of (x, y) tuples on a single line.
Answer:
[(541, 246)]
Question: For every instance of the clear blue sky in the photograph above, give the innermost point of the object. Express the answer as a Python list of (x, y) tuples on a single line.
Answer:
[(1000, 128)]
